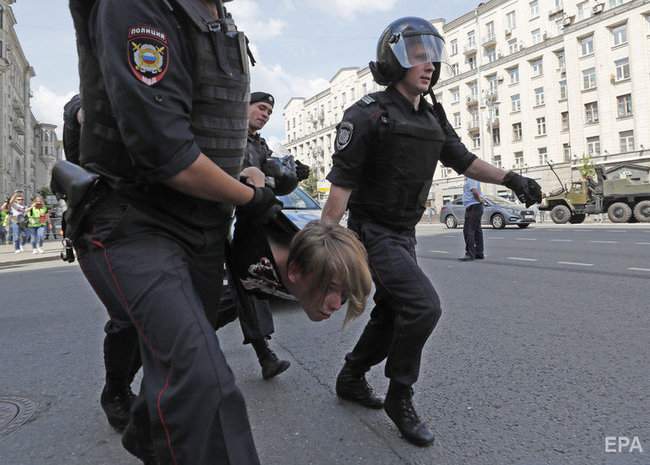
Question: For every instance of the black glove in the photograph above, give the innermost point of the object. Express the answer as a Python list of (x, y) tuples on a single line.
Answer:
[(262, 208), (302, 171), (527, 190), (283, 172)]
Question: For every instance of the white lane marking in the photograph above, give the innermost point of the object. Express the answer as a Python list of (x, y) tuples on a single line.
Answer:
[(575, 264), (604, 242), (526, 239), (495, 238), (439, 251), (642, 243), (639, 269), (561, 240), (522, 259), (617, 231), (584, 230)]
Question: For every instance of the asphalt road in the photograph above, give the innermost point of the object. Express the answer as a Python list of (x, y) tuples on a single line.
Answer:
[(541, 354)]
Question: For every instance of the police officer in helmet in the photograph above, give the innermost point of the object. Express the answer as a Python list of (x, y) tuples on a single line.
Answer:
[(386, 151), (164, 92)]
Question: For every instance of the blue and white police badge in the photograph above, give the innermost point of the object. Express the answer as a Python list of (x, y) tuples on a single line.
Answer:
[(344, 135), (148, 54)]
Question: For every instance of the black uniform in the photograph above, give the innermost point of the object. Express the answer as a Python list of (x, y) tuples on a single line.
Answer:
[(161, 82), (387, 152)]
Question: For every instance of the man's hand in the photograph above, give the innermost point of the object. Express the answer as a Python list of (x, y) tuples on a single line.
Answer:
[(253, 176), (527, 190), (262, 208), (302, 171)]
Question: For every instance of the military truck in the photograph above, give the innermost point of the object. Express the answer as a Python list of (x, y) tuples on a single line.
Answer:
[(626, 199)]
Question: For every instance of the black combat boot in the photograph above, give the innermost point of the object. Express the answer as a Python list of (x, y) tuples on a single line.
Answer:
[(399, 407), (352, 385), (138, 443), (116, 403), (270, 363)]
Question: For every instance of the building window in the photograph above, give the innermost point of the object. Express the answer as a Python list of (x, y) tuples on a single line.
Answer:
[(593, 146), (471, 39), (457, 121), (591, 112), (561, 61), (583, 10), (624, 105), (565, 121), (536, 35), (1, 17), (454, 47), (511, 20), (514, 75), (512, 46), (534, 9), (516, 102), (454, 69), (563, 90), (541, 126), (496, 136), (622, 69), (476, 141), (471, 61), (496, 161), (455, 95), (1, 44), (620, 34), (589, 79), (615, 3), (491, 54), (537, 67), (516, 132), (587, 45), (542, 153), (474, 116), (519, 159), (539, 96), (626, 139), (473, 90), (566, 151), (489, 27)]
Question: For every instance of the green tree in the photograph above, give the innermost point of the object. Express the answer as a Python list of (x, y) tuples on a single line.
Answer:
[(587, 166), (310, 185)]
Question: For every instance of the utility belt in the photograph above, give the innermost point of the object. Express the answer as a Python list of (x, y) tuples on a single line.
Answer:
[(81, 190)]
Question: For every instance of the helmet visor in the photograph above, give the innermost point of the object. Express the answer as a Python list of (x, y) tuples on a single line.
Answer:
[(417, 48)]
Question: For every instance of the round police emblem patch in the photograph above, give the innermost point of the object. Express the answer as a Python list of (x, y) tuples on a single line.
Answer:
[(344, 135), (148, 54)]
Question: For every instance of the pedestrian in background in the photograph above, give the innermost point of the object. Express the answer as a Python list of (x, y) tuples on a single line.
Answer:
[(37, 220), (17, 219), (473, 203), (4, 215)]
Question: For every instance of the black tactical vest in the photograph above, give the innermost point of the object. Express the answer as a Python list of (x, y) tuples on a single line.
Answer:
[(257, 151), (399, 169), (219, 118)]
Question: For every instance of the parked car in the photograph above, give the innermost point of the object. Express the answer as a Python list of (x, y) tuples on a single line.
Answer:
[(497, 212), (300, 207)]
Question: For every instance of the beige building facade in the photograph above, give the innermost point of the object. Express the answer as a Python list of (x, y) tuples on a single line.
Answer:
[(528, 82), (28, 149)]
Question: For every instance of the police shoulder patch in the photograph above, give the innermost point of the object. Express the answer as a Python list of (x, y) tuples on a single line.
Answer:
[(344, 135), (148, 53), (367, 100)]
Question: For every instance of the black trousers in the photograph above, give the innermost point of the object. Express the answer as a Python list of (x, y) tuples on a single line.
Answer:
[(472, 230), (164, 279), (407, 307)]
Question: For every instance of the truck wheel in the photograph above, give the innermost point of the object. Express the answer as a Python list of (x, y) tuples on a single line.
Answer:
[(451, 222), (577, 219), (619, 212), (560, 214), (498, 221), (642, 211)]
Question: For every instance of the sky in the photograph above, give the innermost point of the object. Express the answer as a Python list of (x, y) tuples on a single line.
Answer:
[(299, 45)]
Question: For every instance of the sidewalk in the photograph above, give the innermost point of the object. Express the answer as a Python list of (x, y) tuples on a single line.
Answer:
[(8, 257)]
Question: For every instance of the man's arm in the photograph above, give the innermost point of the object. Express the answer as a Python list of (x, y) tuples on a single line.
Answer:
[(336, 204), (476, 194), (527, 190), (484, 172)]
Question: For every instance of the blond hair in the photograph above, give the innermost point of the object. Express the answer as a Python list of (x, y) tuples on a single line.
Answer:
[(331, 252)]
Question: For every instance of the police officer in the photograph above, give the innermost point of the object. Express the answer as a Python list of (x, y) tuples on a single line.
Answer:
[(254, 313), (386, 151), (164, 92)]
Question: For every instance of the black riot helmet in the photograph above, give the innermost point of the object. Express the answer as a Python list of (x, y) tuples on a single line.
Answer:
[(405, 43)]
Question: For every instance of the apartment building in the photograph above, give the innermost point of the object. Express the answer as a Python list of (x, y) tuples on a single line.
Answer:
[(527, 82), (28, 149)]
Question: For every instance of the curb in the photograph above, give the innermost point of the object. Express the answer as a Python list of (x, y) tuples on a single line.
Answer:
[(48, 258)]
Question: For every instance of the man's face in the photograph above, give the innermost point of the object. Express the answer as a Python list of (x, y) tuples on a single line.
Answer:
[(319, 305), (258, 115), (418, 78)]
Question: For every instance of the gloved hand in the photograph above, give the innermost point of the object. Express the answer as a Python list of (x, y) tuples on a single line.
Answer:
[(527, 190), (262, 208), (283, 172), (302, 171)]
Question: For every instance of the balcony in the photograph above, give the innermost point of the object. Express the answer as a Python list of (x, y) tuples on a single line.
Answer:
[(472, 101), (488, 40), (493, 123), (469, 48), (556, 12), (473, 127)]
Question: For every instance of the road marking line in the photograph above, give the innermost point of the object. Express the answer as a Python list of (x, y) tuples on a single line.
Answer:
[(496, 238), (584, 230), (604, 242), (439, 251), (526, 239), (561, 240), (575, 264), (522, 259), (642, 243), (639, 269)]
